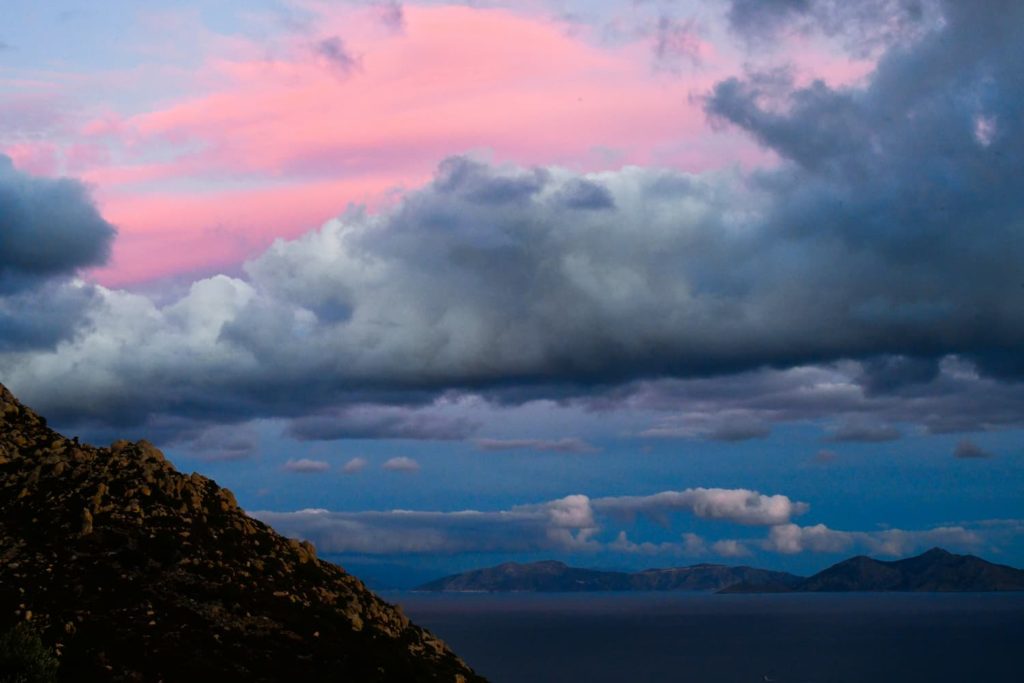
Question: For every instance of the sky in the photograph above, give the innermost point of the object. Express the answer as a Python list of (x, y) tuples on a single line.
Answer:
[(627, 283)]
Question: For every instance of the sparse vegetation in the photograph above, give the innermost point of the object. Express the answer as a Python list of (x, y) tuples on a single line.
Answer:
[(24, 658)]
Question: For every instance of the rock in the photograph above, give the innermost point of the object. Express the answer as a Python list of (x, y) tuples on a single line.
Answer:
[(142, 573), (86, 522)]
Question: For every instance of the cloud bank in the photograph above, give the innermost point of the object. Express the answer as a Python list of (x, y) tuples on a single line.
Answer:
[(580, 524), (869, 241)]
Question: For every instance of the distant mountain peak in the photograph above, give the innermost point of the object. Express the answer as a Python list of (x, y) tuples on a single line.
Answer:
[(141, 572)]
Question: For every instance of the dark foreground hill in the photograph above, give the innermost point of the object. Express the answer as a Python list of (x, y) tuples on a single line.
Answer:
[(936, 571), (551, 576), (133, 571)]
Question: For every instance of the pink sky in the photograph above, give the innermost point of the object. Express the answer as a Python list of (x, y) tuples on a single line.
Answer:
[(272, 147)]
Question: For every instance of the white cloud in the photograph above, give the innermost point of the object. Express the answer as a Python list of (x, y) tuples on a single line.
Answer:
[(354, 466), (730, 548), (580, 524), (792, 539), (741, 506), (306, 466), (401, 464), (565, 524), (571, 523)]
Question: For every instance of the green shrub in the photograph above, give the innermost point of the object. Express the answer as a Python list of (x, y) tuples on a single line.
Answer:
[(24, 658)]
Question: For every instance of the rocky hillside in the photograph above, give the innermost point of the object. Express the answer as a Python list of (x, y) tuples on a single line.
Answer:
[(136, 572), (550, 576)]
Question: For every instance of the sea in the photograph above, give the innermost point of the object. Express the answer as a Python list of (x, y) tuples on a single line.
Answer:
[(708, 638)]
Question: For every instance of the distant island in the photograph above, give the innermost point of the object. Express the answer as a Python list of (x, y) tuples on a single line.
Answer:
[(934, 571), (554, 577)]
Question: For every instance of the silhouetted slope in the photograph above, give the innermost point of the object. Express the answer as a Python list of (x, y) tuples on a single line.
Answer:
[(550, 576), (136, 572)]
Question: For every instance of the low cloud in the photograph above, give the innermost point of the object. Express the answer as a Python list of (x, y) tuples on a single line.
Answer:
[(401, 464), (354, 466), (234, 442), (306, 466), (967, 450), (730, 548), (863, 431), (724, 425), (369, 421), (560, 525), (566, 524), (825, 456), (580, 524), (566, 445), (792, 538), (741, 506), (957, 399)]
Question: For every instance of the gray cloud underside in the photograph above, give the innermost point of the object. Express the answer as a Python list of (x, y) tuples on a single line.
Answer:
[(580, 524), (380, 422), (957, 399), (892, 228)]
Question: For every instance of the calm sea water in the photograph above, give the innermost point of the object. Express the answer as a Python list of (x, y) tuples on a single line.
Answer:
[(702, 638)]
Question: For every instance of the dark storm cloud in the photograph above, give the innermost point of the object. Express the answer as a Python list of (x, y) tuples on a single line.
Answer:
[(890, 232), (48, 227), (584, 194), (863, 25), (41, 313), (923, 207), (958, 400), (893, 373)]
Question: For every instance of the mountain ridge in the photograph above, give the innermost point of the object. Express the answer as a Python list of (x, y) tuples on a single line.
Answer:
[(134, 571), (936, 570), (554, 576)]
